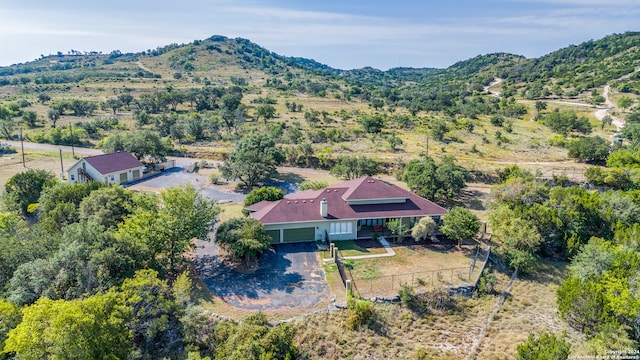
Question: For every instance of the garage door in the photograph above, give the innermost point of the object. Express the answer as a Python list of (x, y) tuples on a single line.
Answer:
[(275, 236), (123, 177), (136, 174), (299, 235)]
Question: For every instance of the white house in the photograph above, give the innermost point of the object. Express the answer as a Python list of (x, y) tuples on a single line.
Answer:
[(119, 168), (351, 210)]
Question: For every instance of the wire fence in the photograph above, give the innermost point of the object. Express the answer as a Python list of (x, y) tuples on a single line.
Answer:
[(390, 285)]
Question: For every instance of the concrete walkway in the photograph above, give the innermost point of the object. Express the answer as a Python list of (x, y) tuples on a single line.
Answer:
[(384, 243)]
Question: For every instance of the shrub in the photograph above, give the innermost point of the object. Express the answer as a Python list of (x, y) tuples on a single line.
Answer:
[(214, 178), (558, 140), (487, 282), (406, 294), (361, 313)]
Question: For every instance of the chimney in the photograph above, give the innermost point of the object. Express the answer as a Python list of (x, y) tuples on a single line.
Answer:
[(324, 208)]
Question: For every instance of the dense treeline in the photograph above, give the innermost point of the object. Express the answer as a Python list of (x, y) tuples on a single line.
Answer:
[(596, 231), (95, 271)]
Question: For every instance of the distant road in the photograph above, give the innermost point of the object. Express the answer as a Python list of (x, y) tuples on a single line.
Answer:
[(36, 146)]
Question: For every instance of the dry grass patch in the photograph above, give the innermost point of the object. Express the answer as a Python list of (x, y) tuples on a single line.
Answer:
[(530, 308), (398, 333), (11, 164)]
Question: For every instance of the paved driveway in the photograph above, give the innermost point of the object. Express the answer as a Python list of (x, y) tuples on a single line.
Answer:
[(177, 176), (289, 276)]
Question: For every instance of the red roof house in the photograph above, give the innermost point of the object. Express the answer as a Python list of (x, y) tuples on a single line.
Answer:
[(345, 211)]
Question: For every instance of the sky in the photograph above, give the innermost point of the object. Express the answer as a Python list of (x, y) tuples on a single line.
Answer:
[(343, 34)]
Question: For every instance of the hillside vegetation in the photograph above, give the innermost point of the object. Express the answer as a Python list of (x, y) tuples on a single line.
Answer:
[(563, 208)]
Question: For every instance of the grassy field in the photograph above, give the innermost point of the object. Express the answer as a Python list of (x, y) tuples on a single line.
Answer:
[(11, 164)]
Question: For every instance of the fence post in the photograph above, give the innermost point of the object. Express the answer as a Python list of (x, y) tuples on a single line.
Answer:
[(348, 288), (331, 247), (392, 277)]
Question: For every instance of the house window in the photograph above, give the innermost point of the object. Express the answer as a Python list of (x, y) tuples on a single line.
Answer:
[(73, 177), (341, 228)]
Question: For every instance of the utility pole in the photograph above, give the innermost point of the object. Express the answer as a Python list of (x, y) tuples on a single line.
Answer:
[(22, 148), (61, 165), (73, 152), (427, 146)]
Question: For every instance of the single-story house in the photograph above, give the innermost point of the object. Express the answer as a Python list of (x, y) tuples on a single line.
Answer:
[(346, 211), (119, 168)]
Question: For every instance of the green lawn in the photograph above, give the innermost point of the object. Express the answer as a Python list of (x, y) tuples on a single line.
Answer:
[(350, 248)]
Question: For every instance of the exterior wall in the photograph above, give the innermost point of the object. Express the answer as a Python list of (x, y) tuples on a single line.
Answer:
[(322, 227), (114, 178), (72, 174)]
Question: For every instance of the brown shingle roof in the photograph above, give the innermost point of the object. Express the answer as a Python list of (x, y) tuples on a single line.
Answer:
[(114, 162), (296, 208)]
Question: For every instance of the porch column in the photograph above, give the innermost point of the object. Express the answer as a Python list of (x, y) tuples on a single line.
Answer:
[(356, 229), (281, 235)]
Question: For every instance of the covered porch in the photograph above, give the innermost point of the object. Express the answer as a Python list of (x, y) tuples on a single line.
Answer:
[(368, 228)]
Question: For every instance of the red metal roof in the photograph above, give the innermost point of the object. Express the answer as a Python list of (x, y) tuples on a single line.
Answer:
[(114, 162), (296, 208)]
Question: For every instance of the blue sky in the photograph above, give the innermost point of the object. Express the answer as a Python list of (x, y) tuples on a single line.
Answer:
[(342, 34)]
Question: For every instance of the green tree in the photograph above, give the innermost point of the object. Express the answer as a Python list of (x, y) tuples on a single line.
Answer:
[(581, 304), (25, 188), (590, 149), (438, 129), (431, 180), (185, 215), (264, 193), (111, 104), (30, 118), (107, 206), (254, 339), (351, 167), (93, 328), (155, 328), (142, 144), (520, 239), (424, 228), (59, 204), (265, 112), (544, 346), (10, 317), (540, 105), (372, 123), (54, 115), (253, 159), (565, 122), (450, 177), (460, 224), (625, 102), (243, 238), (397, 228), (312, 185)]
